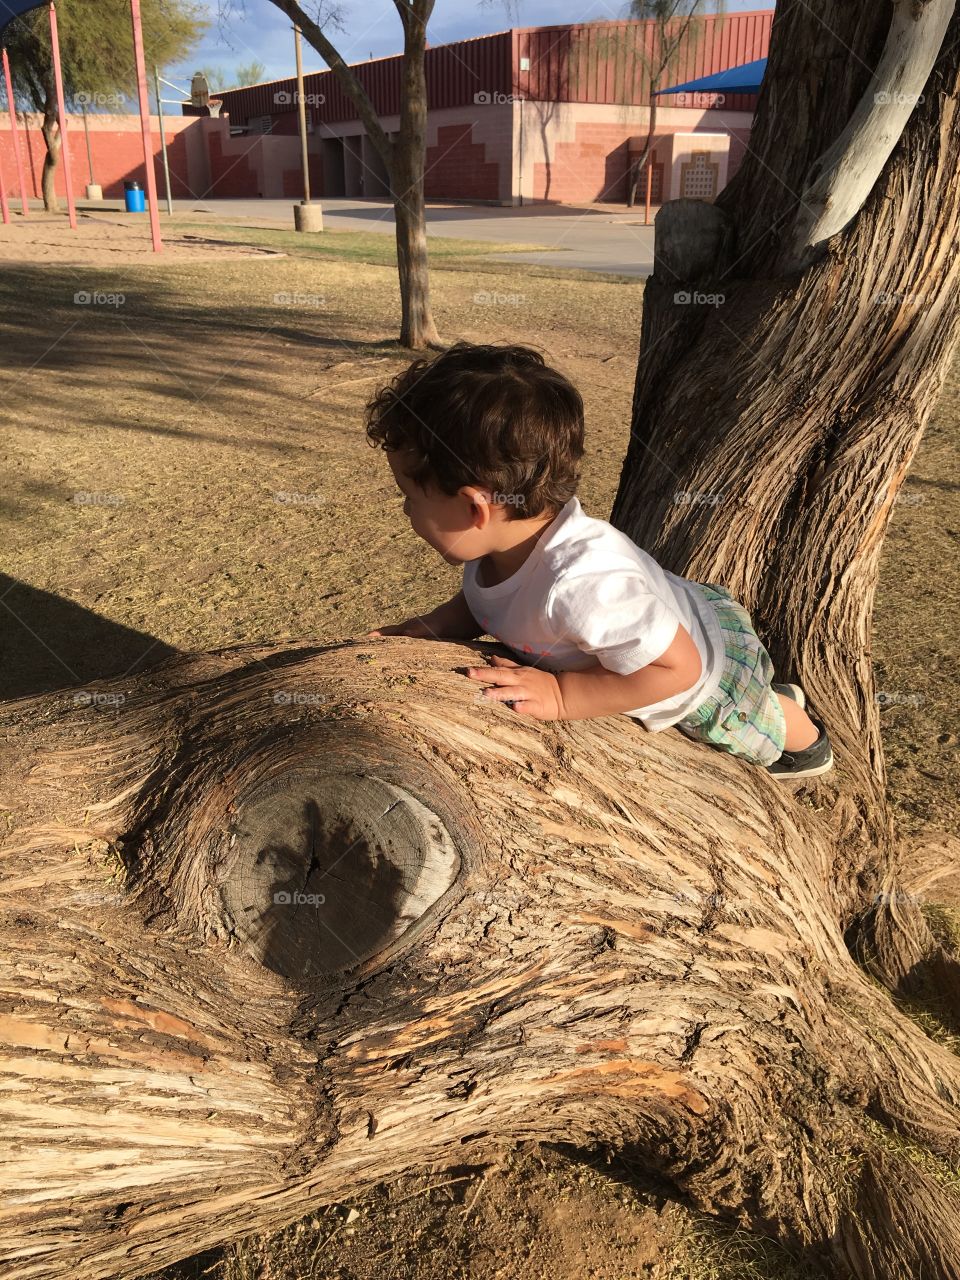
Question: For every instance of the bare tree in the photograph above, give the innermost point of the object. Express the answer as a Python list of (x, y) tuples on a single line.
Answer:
[(291, 920), (404, 157), (674, 25)]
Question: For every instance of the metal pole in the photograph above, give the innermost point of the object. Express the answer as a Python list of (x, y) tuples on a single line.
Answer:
[(163, 141), (62, 114), (302, 112), (521, 155), (4, 209), (13, 130), (86, 131), (145, 125)]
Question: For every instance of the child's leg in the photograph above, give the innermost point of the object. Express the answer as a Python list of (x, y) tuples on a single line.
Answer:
[(801, 731), (747, 716)]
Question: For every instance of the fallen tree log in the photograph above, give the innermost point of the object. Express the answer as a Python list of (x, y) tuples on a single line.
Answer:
[(286, 921)]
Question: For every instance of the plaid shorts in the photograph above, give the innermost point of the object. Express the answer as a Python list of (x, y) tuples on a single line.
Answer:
[(744, 717)]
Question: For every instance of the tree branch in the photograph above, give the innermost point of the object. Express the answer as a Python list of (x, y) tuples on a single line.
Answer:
[(842, 178), (345, 74)]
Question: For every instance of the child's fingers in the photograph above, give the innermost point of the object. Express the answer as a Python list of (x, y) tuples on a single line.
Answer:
[(509, 693), (493, 675), (504, 662), (525, 707), (399, 629)]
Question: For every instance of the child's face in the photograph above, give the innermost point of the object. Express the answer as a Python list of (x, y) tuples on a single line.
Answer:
[(451, 525)]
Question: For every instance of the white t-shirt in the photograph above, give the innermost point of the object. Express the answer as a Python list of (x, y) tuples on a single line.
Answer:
[(587, 594)]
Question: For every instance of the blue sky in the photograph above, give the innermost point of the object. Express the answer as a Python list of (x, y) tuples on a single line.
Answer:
[(256, 29)]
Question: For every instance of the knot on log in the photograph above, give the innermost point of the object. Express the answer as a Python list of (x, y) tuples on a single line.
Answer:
[(322, 870), (315, 844)]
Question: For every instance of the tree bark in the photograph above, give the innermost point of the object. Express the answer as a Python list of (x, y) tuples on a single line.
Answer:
[(818, 386), (50, 128), (528, 930), (404, 158), (279, 923)]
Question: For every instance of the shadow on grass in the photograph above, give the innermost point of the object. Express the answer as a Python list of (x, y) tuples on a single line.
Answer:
[(172, 342), (47, 642)]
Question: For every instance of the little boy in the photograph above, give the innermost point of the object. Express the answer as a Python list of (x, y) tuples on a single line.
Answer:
[(484, 443)]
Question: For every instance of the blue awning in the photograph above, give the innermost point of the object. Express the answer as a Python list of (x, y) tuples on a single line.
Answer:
[(745, 79)]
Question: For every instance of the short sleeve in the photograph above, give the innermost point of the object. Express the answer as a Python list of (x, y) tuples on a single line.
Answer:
[(614, 616)]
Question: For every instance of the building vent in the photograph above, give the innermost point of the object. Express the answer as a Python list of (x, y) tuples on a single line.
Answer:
[(699, 179)]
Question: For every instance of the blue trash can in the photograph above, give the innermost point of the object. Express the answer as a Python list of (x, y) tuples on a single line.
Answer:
[(133, 197)]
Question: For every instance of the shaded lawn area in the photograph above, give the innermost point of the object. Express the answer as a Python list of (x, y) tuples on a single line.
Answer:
[(215, 417)]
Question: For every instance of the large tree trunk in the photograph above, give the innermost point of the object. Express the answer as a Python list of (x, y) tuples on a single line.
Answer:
[(281, 923), (776, 411), (417, 328)]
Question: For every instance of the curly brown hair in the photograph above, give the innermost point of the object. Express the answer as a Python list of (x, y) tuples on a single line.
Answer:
[(494, 416)]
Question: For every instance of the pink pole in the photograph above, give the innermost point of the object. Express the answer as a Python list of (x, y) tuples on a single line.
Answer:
[(61, 112), (16, 136), (4, 210), (145, 125)]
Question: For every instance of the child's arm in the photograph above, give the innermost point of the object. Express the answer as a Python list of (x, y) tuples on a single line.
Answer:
[(451, 620), (597, 691)]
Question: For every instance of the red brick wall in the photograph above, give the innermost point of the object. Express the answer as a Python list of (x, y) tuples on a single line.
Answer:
[(457, 167), (117, 157), (590, 167), (231, 175), (293, 179), (593, 165)]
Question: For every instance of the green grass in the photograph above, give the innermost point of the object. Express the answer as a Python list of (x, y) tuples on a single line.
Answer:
[(946, 1174), (709, 1250), (375, 247), (944, 923)]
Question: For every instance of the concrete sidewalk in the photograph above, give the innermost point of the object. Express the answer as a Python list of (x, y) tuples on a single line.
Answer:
[(588, 237)]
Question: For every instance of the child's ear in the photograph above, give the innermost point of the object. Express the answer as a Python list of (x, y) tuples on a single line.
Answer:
[(481, 504)]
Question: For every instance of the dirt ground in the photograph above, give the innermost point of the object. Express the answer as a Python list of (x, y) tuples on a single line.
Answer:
[(537, 1213), (186, 469), (105, 239)]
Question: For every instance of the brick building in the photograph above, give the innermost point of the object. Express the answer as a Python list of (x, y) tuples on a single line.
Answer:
[(526, 115), (529, 114)]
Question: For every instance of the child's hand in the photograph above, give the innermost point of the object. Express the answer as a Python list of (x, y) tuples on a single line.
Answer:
[(530, 691), (419, 628)]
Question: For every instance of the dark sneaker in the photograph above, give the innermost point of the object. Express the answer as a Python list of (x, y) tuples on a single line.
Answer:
[(792, 691), (809, 763)]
